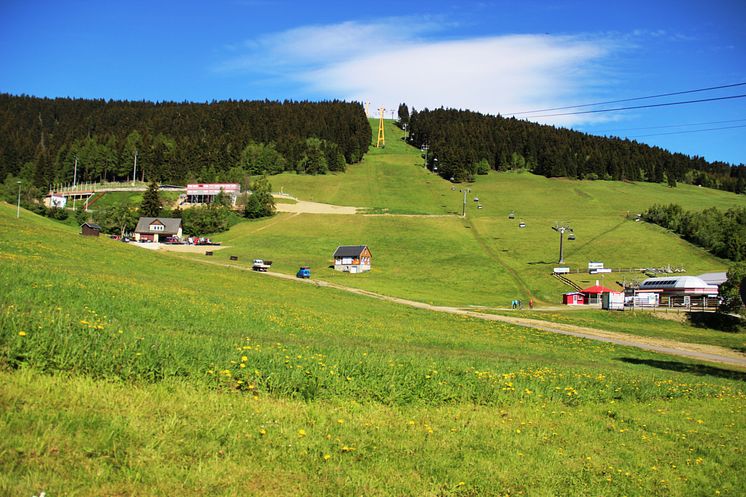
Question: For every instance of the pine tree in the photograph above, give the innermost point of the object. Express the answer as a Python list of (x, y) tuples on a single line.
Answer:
[(403, 115), (151, 201)]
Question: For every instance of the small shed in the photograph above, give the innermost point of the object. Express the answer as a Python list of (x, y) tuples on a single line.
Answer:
[(90, 229), (352, 258), (612, 301), (151, 229), (573, 298)]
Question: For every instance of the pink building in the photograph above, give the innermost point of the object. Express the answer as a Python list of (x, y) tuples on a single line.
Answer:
[(204, 193)]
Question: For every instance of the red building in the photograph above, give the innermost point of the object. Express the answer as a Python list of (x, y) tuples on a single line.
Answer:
[(573, 298)]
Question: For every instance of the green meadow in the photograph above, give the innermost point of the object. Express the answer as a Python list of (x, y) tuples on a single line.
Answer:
[(484, 259), (131, 372)]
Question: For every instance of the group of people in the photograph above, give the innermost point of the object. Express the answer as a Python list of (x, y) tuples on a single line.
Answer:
[(517, 304)]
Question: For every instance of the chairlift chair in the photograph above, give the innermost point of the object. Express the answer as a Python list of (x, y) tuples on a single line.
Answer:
[(571, 236), (521, 224), (511, 215)]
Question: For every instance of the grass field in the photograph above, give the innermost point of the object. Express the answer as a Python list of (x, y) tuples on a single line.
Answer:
[(128, 372), (392, 179), (133, 198), (494, 259), (485, 259), (131, 372)]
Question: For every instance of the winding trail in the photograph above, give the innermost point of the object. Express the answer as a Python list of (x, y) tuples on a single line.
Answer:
[(700, 352)]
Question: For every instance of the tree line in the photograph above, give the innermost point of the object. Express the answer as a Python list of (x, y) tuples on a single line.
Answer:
[(721, 232), (41, 138), (467, 143)]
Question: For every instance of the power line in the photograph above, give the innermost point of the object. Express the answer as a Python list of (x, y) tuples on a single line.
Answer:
[(627, 99), (608, 132), (689, 131), (641, 106)]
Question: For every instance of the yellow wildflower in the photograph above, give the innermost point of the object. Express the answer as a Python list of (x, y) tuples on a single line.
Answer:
[(21, 333)]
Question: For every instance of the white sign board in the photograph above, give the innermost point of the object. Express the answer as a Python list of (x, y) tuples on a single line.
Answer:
[(561, 270), (595, 265)]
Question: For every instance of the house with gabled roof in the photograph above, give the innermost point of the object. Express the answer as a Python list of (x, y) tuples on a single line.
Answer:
[(352, 258), (155, 229)]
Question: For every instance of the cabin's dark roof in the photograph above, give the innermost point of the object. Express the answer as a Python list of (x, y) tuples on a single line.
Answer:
[(91, 225), (171, 225), (349, 250)]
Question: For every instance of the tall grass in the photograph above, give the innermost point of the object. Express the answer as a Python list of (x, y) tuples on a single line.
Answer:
[(128, 372)]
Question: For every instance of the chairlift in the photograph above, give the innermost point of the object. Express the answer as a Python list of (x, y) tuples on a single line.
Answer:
[(521, 224), (479, 206), (571, 236), (511, 215), (476, 199)]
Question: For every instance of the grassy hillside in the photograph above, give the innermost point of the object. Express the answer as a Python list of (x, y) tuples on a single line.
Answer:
[(391, 179), (394, 178), (493, 261), (482, 260), (131, 372)]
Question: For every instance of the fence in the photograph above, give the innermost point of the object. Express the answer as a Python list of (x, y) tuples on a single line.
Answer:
[(653, 270), (680, 303)]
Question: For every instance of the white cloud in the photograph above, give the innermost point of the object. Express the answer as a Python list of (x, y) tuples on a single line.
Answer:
[(385, 65)]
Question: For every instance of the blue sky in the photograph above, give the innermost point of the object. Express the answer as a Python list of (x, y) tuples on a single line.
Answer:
[(490, 56)]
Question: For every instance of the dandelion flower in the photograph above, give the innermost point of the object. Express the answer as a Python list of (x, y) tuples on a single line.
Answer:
[(327, 457), (21, 333), (301, 433)]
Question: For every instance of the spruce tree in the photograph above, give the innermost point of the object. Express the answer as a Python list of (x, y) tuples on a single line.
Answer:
[(151, 201)]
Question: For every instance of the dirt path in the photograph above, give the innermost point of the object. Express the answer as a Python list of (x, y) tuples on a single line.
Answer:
[(306, 207), (701, 352)]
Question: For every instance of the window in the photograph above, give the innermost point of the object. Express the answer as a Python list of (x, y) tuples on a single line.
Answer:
[(157, 227)]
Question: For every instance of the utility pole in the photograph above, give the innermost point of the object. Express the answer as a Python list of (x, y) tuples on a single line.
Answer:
[(75, 180), (463, 210), (561, 228), (134, 170), (18, 209)]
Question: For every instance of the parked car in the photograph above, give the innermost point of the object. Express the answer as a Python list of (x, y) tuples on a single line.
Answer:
[(303, 272), (261, 265)]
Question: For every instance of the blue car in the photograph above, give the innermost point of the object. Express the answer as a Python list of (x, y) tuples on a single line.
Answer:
[(303, 272)]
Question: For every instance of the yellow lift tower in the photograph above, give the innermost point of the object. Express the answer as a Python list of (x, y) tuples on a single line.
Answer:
[(381, 140)]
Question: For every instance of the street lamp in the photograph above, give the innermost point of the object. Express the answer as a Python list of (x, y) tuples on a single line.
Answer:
[(18, 208), (561, 228)]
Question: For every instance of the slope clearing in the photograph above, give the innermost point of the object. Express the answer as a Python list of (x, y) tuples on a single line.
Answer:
[(133, 372), (484, 259)]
